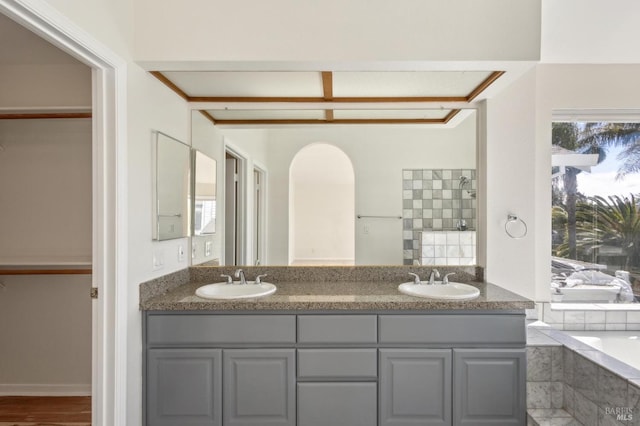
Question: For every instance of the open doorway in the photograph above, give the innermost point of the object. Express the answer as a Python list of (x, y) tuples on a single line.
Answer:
[(321, 207), (46, 135), (108, 242), (234, 209)]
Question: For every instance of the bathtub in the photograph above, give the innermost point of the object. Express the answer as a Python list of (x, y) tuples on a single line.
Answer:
[(622, 345)]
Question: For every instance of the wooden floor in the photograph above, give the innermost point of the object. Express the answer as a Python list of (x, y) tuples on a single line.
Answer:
[(45, 411)]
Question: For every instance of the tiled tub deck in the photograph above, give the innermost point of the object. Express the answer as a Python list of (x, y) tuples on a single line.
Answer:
[(571, 383)]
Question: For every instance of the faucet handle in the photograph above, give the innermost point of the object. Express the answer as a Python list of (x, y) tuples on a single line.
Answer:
[(228, 277), (416, 278), (259, 278), (238, 272), (445, 280)]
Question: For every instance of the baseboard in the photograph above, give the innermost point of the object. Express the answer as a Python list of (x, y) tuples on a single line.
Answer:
[(44, 390)]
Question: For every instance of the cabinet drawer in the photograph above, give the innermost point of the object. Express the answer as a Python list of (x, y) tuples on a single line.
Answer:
[(174, 330), (323, 404), (344, 329), (457, 330), (338, 364)]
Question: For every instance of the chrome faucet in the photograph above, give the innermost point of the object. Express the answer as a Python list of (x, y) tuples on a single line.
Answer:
[(433, 275), (240, 274), (416, 278), (445, 280)]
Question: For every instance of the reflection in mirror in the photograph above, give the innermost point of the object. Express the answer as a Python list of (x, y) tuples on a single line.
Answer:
[(204, 194), (171, 187), (380, 156)]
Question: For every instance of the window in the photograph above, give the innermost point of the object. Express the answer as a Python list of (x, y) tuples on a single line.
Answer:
[(596, 199)]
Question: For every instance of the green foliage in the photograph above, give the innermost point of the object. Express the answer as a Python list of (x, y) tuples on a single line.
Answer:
[(612, 222)]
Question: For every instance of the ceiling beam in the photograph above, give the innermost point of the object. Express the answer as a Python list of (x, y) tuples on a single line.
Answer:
[(170, 84), (327, 85), (336, 121), (486, 83)]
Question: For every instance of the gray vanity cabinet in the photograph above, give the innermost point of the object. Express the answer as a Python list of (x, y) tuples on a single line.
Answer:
[(415, 387), (259, 387), (449, 368), (489, 387), (184, 387)]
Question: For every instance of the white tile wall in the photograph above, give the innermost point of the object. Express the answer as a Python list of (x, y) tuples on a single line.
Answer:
[(591, 317), (448, 248)]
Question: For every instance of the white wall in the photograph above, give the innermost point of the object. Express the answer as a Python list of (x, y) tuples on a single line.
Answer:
[(590, 31), (335, 30), (378, 154), (510, 169)]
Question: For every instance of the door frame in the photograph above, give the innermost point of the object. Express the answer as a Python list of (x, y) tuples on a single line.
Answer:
[(241, 209), (109, 201)]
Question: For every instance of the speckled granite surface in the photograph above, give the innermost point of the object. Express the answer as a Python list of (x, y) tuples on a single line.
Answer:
[(324, 288)]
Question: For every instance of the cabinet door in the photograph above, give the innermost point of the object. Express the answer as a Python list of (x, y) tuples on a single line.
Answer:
[(337, 404), (415, 387), (490, 387), (184, 387), (259, 387)]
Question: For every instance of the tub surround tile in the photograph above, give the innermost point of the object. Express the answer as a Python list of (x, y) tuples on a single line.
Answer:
[(568, 361), (633, 401), (538, 395), (614, 365), (615, 327), (539, 364), (557, 364), (573, 327), (551, 417), (633, 317), (612, 390), (585, 377), (557, 395), (606, 419), (585, 411), (569, 399)]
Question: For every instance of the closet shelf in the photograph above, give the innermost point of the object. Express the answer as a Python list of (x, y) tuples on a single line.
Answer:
[(45, 266)]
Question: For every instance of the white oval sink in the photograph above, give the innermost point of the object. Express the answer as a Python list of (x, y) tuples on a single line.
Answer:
[(451, 291), (235, 291)]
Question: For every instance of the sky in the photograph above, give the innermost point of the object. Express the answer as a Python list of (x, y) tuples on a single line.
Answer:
[(602, 179)]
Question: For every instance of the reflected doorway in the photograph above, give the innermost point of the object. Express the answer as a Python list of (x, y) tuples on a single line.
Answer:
[(234, 206), (321, 207)]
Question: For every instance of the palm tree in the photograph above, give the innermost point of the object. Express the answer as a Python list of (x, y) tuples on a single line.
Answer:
[(593, 138), (612, 222)]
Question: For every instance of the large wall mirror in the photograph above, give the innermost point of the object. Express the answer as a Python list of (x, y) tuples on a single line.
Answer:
[(171, 187), (406, 179)]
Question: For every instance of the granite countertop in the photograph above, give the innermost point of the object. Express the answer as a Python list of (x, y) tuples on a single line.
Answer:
[(341, 295)]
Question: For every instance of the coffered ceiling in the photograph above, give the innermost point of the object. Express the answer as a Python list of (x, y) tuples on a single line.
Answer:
[(326, 97)]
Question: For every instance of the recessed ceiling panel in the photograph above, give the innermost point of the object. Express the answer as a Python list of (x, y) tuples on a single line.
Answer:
[(267, 114), (407, 84), (251, 84), (400, 114)]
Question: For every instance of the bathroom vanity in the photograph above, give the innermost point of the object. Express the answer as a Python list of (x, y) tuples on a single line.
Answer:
[(334, 353)]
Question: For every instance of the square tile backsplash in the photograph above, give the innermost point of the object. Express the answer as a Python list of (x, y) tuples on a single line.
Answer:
[(432, 200)]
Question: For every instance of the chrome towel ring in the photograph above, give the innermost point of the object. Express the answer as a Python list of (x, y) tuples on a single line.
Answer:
[(511, 220)]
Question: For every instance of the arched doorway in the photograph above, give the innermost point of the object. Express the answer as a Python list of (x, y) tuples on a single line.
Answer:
[(321, 207)]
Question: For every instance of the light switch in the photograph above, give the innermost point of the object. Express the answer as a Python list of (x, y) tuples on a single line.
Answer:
[(207, 248), (180, 253), (158, 259)]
